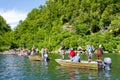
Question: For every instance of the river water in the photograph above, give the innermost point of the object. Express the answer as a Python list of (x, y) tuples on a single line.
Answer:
[(21, 68)]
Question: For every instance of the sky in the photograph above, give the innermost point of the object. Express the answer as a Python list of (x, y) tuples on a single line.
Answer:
[(15, 10)]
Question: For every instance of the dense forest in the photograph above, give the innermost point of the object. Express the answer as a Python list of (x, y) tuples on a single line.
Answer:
[(4, 33), (73, 22)]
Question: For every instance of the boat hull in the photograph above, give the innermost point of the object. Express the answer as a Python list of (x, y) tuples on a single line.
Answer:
[(82, 64), (35, 58)]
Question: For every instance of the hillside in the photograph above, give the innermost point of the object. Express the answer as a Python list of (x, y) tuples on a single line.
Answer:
[(74, 22), (4, 28)]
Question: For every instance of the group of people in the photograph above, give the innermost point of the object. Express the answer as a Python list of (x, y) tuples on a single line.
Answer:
[(25, 52), (29, 52), (89, 50), (44, 52), (99, 52), (35, 51)]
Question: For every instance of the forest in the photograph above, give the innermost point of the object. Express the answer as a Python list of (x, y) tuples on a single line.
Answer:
[(72, 22)]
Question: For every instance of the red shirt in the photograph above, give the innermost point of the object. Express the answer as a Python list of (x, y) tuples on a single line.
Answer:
[(72, 53)]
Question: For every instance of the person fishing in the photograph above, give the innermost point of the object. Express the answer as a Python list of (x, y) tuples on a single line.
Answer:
[(46, 58), (33, 50), (99, 52), (63, 50), (42, 52), (90, 50)]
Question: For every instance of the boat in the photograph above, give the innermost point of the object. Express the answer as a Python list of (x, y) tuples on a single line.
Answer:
[(83, 64), (18, 54), (35, 58)]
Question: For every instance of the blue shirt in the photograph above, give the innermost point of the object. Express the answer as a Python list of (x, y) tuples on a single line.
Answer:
[(76, 59), (90, 48)]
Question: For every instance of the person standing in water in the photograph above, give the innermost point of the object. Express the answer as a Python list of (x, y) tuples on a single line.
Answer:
[(46, 55), (42, 52)]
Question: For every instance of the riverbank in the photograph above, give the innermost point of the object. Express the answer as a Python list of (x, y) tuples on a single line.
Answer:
[(7, 52)]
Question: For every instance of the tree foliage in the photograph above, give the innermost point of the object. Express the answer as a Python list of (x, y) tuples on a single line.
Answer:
[(4, 35), (89, 21)]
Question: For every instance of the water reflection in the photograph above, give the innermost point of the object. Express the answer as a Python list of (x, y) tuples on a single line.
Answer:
[(105, 74), (74, 75), (11, 67), (21, 68), (84, 74)]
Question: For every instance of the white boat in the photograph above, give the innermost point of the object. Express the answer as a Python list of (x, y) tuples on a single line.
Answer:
[(35, 58), (82, 64)]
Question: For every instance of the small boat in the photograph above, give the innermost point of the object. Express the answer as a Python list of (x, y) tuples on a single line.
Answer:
[(83, 64), (35, 58), (15, 54), (18, 54)]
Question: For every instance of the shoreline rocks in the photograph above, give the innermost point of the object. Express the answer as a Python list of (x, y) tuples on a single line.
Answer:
[(7, 52)]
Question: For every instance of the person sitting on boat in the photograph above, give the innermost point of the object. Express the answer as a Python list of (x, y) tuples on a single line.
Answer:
[(26, 52), (21, 51), (72, 53), (29, 51), (76, 58)]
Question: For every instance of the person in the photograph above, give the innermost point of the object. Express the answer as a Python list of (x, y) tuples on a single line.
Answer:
[(45, 57), (79, 50), (26, 52), (15, 50), (21, 51), (62, 50), (90, 50), (29, 51), (42, 52), (33, 50), (99, 52), (76, 58), (37, 51), (72, 53), (46, 50)]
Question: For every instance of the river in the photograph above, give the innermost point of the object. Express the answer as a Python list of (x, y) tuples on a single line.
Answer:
[(21, 68)]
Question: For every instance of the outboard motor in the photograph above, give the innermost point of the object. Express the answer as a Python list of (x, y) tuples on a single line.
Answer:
[(107, 63)]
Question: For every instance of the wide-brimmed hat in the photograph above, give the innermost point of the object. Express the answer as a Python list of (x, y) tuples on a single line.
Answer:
[(100, 45), (78, 54)]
